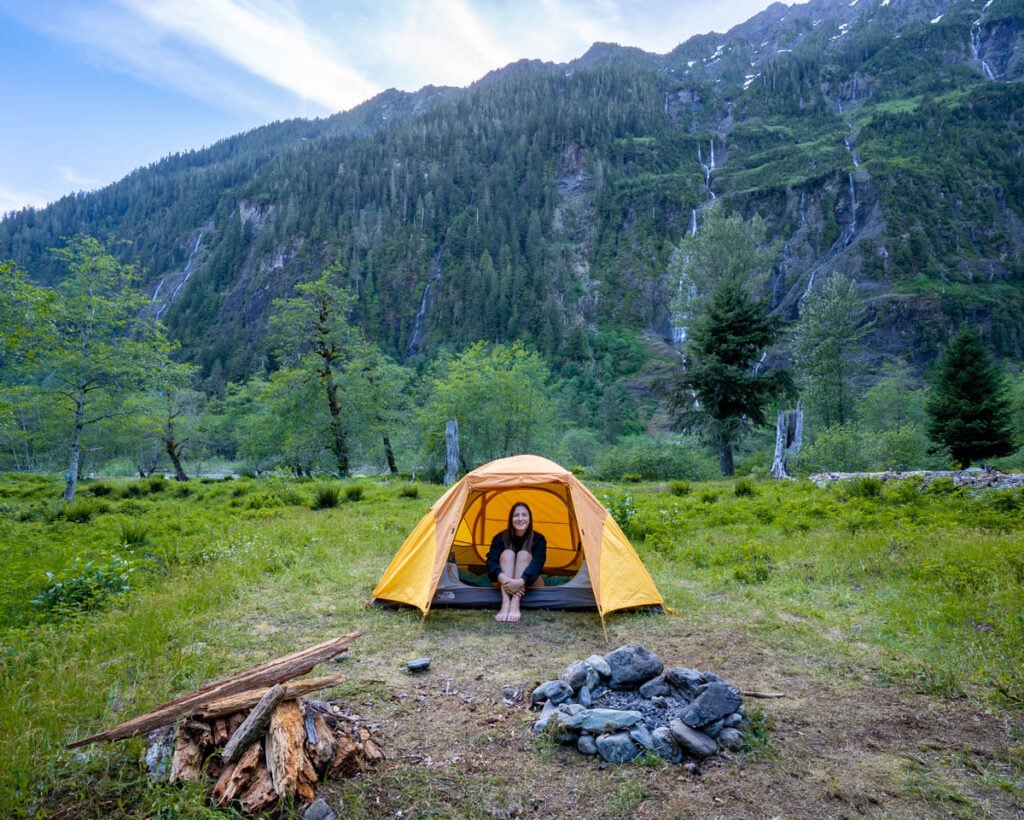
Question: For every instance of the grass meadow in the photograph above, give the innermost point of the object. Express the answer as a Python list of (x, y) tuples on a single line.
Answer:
[(142, 590)]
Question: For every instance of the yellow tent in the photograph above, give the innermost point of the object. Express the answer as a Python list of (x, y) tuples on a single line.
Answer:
[(586, 548)]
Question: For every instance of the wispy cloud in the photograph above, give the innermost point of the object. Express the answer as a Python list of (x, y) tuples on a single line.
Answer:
[(264, 40)]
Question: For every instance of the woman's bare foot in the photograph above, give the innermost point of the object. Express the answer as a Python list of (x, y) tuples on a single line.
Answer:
[(502, 615), (514, 615)]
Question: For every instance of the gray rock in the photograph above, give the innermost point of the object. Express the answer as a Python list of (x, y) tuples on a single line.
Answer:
[(685, 682), (732, 739), (575, 674), (632, 666), (733, 720), (418, 665), (712, 729), (641, 735), (666, 746), (587, 745), (656, 687), (557, 691), (542, 722), (714, 703), (691, 741), (601, 720), (600, 665), (319, 810), (584, 697), (617, 747)]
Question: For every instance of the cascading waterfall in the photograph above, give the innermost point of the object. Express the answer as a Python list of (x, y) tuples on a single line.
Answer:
[(693, 222), (187, 271), (417, 326), (976, 50)]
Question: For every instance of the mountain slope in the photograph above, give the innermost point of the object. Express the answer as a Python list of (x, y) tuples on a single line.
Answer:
[(880, 139)]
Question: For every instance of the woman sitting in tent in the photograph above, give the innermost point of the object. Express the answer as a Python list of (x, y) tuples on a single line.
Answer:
[(515, 560)]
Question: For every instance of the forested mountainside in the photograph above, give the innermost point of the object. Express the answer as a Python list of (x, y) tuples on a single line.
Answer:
[(880, 138)]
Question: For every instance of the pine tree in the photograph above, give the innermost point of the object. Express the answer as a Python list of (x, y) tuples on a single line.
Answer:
[(969, 408)]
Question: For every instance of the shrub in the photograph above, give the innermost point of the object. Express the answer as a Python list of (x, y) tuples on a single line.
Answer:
[(755, 566), (132, 534), (157, 484), (677, 487), (354, 492), (100, 490), (86, 587), (866, 487), (744, 489), (80, 511), (326, 497), (410, 490), (660, 459)]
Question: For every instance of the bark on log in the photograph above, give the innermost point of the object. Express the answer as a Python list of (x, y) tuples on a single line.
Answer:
[(248, 699), (260, 796), (268, 673), (191, 742), (320, 747), (346, 759), (290, 769), (237, 776), (254, 726)]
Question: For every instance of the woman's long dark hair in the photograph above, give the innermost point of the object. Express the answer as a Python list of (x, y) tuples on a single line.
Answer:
[(511, 531)]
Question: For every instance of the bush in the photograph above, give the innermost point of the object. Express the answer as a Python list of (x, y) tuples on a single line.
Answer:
[(744, 489), (79, 511), (660, 459), (86, 587), (410, 490), (326, 497), (354, 492), (132, 534), (677, 487)]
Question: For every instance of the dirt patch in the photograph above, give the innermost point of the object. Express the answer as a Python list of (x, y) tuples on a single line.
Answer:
[(843, 743)]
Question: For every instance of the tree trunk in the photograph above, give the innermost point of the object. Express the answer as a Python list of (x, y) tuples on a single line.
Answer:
[(174, 453), (723, 446), (389, 453), (789, 433), (76, 448), (338, 444)]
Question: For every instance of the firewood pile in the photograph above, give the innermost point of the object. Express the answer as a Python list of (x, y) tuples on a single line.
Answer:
[(256, 738)]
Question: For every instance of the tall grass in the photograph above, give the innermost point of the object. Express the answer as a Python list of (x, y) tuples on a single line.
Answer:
[(926, 587)]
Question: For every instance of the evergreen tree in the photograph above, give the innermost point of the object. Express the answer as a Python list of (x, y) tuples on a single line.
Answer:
[(969, 408), (720, 389)]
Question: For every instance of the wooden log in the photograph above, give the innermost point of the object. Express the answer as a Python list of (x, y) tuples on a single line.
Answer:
[(290, 769), (254, 726), (260, 796), (346, 758), (192, 740), (236, 776), (320, 747), (246, 700), (267, 673)]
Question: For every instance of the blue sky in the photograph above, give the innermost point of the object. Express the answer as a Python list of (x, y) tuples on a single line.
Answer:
[(92, 89)]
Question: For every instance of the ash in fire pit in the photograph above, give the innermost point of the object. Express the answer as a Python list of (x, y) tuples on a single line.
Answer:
[(626, 703)]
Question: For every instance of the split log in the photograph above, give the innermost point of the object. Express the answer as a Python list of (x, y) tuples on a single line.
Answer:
[(192, 740), (290, 769), (346, 759), (268, 673), (249, 698), (320, 744), (236, 776), (260, 796), (254, 725)]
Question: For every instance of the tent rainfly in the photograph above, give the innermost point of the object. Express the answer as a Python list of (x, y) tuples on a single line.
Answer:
[(590, 561)]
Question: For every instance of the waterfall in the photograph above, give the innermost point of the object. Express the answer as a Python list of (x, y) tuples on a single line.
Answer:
[(976, 50), (708, 167), (417, 326), (693, 222), (186, 270), (853, 209)]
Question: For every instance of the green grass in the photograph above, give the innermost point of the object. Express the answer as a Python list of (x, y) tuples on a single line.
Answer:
[(924, 590)]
